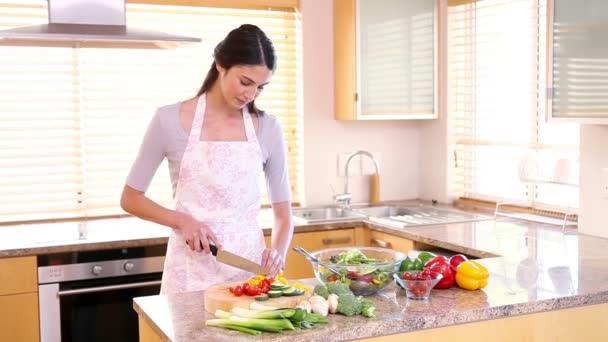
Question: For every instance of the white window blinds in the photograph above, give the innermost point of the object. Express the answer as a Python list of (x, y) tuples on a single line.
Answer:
[(496, 104), (72, 120)]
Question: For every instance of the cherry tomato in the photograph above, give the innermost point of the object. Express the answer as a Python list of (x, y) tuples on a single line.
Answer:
[(352, 275), (332, 278), (238, 291), (407, 275)]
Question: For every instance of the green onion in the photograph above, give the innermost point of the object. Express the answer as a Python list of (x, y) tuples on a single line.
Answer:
[(272, 325), (219, 324), (267, 314), (255, 306)]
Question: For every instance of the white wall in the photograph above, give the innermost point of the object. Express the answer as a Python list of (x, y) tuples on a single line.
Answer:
[(593, 215), (396, 143)]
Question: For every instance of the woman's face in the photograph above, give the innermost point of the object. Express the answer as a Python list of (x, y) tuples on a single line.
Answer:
[(242, 84)]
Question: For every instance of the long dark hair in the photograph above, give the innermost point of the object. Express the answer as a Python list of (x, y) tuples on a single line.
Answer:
[(245, 45)]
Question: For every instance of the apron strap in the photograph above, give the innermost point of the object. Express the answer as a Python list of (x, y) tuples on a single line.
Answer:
[(249, 128), (197, 122)]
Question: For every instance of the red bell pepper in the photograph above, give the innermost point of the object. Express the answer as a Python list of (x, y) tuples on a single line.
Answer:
[(441, 265), (455, 260), (439, 258)]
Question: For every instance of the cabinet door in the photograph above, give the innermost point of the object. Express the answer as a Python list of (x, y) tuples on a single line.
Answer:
[(19, 317), (384, 240), (297, 266), (578, 36), (386, 60), (18, 275)]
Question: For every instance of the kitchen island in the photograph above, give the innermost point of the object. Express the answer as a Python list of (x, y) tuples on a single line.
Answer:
[(544, 285)]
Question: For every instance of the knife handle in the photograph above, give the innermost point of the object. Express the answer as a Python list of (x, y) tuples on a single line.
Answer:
[(212, 247)]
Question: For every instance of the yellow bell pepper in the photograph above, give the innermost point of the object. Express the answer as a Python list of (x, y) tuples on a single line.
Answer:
[(471, 275)]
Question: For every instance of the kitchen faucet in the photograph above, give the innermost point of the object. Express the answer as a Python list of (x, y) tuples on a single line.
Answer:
[(346, 197)]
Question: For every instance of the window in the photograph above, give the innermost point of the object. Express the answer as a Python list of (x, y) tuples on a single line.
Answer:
[(496, 104), (72, 120)]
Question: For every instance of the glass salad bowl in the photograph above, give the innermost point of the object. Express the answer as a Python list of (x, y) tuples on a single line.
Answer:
[(417, 285), (366, 270)]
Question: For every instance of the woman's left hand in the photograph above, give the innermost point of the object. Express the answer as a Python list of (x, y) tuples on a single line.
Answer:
[(272, 261)]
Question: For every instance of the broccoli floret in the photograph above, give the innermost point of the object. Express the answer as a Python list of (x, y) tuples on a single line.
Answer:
[(349, 305), (322, 291), (368, 308), (338, 288)]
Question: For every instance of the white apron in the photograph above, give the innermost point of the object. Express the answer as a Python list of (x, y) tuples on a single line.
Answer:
[(218, 185)]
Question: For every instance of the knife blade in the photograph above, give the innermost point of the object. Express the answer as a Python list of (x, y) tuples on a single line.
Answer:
[(237, 261)]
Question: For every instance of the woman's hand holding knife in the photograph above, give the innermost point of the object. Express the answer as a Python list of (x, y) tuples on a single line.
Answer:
[(197, 234)]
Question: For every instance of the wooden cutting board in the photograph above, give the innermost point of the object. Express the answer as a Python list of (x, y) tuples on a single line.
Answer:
[(219, 297)]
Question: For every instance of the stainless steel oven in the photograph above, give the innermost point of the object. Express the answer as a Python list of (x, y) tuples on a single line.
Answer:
[(88, 296)]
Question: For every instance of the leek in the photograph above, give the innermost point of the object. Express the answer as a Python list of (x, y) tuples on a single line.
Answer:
[(222, 314), (255, 306), (266, 314), (221, 324), (272, 325)]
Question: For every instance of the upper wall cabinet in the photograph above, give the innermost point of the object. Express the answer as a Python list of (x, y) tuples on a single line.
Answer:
[(578, 58), (385, 59)]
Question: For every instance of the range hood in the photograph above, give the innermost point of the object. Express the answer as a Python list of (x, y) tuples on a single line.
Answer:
[(89, 23)]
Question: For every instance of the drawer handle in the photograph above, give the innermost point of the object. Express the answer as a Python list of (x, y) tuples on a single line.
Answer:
[(381, 243), (330, 241)]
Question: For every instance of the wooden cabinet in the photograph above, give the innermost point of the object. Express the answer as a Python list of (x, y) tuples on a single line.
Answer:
[(297, 266), (19, 299), (386, 61), (374, 238)]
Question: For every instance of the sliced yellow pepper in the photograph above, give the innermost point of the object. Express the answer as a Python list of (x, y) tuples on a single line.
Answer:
[(280, 278), (471, 275), (300, 286)]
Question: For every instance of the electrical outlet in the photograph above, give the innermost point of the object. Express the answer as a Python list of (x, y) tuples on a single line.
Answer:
[(354, 168)]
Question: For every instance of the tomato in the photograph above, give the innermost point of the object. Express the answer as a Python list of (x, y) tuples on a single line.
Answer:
[(407, 275), (352, 275), (238, 291), (332, 278), (366, 278)]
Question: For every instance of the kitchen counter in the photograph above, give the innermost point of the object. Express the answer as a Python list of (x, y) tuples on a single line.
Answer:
[(538, 270), (535, 269)]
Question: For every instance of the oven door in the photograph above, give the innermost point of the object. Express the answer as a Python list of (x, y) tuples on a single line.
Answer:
[(94, 310)]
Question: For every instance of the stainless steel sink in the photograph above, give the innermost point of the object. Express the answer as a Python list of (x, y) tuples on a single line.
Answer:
[(329, 214), (408, 216)]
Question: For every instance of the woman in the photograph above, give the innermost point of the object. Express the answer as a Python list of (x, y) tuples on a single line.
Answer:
[(217, 144)]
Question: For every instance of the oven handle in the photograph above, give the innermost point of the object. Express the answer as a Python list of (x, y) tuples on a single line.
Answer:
[(108, 288)]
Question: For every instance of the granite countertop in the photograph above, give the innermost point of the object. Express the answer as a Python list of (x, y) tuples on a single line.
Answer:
[(533, 268), (96, 234)]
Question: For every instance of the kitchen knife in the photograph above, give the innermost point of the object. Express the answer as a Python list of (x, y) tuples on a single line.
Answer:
[(237, 261)]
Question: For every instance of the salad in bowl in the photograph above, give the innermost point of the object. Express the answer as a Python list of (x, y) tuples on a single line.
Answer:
[(366, 270)]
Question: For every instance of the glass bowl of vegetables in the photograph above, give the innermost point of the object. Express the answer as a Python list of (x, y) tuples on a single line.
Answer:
[(366, 270), (418, 284)]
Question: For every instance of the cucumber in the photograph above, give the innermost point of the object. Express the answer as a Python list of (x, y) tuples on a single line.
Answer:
[(275, 293), (261, 298), (296, 292), (289, 289), (279, 286)]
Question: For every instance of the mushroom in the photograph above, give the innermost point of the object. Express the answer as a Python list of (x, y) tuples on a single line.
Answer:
[(332, 301), (319, 305), (304, 305)]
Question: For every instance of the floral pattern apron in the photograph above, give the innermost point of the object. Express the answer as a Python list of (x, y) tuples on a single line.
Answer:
[(218, 185)]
